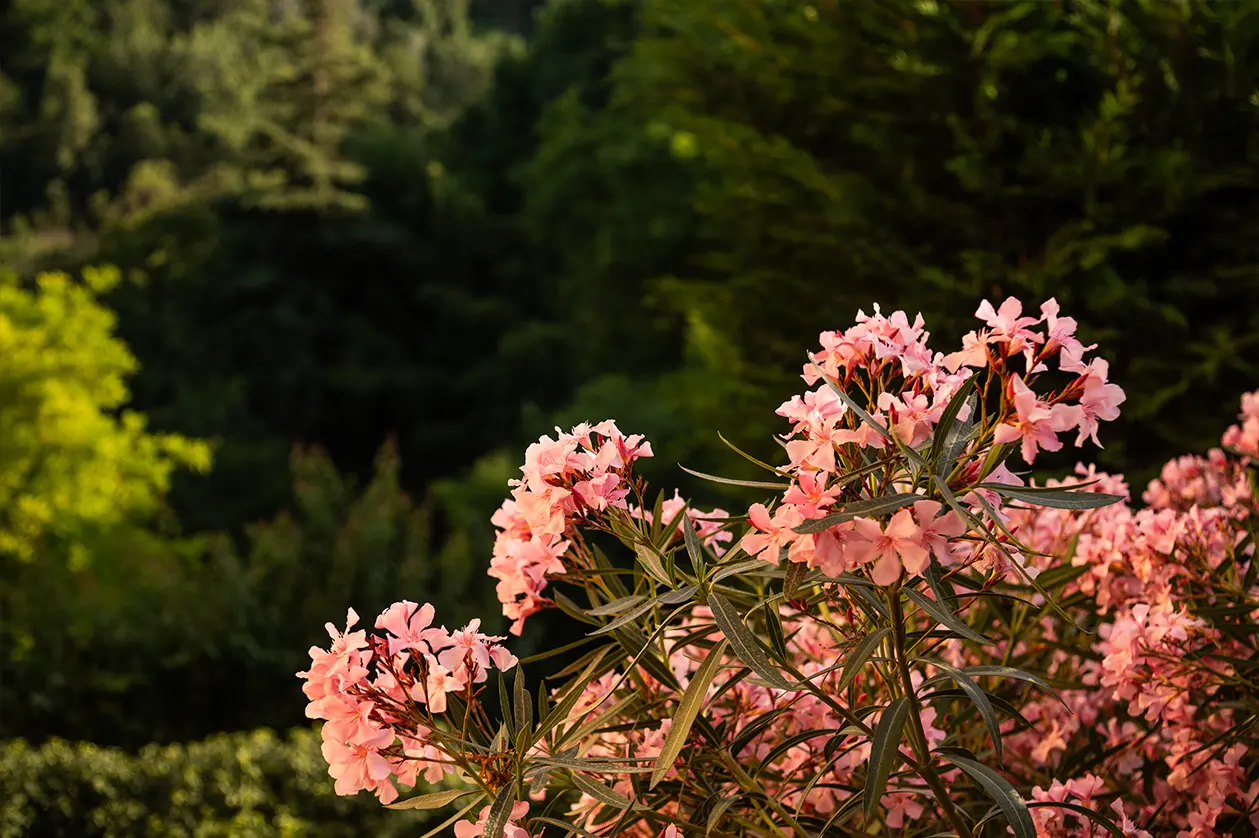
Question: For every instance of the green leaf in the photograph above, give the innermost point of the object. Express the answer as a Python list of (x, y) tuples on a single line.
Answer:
[(942, 615), (626, 618), (617, 606), (945, 428), (977, 695), (743, 642), (774, 626), (1053, 497), (500, 812), (594, 766), (693, 548), (795, 575), (572, 609), (884, 753), (714, 816), (726, 571), (568, 828), (1060, 575), (1016, 674), (436, 800), (601, 792), (650, 560), (657, 512), (504, 703), (730, 481), (866, 508), (688, 708), (999, 789), (859, 655), (523, 702), (679, 596)]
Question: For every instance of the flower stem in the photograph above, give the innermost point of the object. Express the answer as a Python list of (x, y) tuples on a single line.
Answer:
[(917, 734)]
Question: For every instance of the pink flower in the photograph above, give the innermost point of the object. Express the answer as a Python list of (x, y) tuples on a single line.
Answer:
[(939, 531), (468, 644), (771, 534), (1100, 401), (901, 542), (410, 626), (359, 765), (1037, 424), (1061, 338)]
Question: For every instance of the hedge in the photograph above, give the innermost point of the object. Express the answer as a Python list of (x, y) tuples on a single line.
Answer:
[(244, 785)]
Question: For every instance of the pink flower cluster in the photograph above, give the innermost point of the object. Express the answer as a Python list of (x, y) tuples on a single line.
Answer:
[(1156, 702), (908, 388), (379, 695), (1244, 438), (577, 475)]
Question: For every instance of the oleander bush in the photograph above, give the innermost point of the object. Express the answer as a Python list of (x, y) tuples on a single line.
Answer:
[(911, 638)]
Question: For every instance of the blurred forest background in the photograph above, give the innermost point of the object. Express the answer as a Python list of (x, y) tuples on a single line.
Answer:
[(287, 285)]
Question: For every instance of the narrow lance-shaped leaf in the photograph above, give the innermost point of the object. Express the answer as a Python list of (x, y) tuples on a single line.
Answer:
[(1055, 498), (948, 421), (796, 572), (977, 695), (719, 809), (523, 702), (693, 548), (743, 642), (940, 612), (726, 571), (617, 606), (866, 508), (500, 812), (730, 481), (999, 789), (651, 562), (679, 596), (457, 816), (953, 439), (576, 688), (884, 752), (626, 618), (435, 800), (689, 706), (1016, 674), (504, 703), (600, 791), (859, 655)]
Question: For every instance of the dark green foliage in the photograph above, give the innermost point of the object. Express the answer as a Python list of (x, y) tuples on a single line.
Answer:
[(247, 785), (925, 155)]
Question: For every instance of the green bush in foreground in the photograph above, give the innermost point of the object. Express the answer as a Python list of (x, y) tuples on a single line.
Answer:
[(251, 785)]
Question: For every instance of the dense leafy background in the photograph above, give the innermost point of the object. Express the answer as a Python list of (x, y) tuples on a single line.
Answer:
[(369, 248)]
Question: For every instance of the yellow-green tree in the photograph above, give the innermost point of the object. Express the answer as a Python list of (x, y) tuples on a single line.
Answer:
[(73, 460)]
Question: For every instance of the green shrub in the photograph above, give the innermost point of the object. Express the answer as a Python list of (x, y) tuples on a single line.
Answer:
[(252, 785)]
